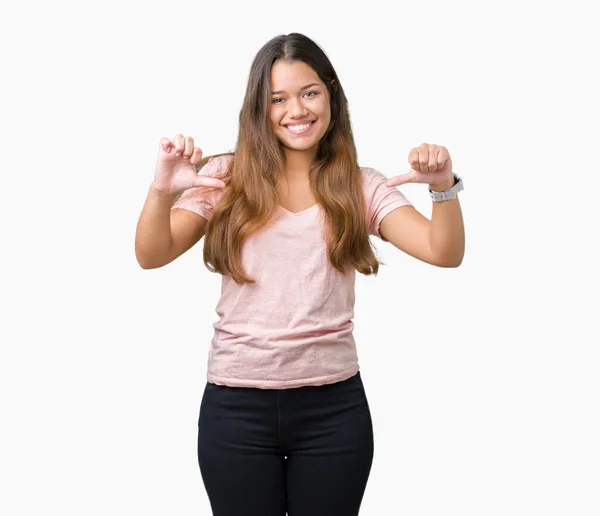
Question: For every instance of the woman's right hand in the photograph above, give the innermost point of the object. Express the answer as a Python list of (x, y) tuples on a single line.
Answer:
[(176, 166)]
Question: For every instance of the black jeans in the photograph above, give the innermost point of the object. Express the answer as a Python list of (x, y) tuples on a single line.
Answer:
[(305, 451)]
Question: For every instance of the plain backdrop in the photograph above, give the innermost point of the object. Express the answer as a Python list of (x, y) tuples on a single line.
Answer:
[(482, 380)]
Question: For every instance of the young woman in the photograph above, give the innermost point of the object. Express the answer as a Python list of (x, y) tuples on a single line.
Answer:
[(284, 423)]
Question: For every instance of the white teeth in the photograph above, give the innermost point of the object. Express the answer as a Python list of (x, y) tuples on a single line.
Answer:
[(298, 128)]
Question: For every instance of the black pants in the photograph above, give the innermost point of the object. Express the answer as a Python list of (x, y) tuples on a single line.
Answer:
[(305, 451)]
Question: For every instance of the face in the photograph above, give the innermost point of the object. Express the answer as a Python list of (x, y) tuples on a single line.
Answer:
[(300, 109)]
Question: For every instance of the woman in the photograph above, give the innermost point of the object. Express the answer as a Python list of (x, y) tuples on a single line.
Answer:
[(284, 422)]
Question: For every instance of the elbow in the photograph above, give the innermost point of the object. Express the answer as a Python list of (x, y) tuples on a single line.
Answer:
[(451, 264), (450, 261), (146, 262), (448, 254), (146, 266)]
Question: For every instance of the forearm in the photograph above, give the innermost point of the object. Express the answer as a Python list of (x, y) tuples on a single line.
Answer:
[(447, 232), (153, 232)]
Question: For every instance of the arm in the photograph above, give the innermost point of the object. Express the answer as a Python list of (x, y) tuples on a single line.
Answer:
[(439, 241), (163, 234)]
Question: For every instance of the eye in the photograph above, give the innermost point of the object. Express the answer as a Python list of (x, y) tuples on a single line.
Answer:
[(311, 92), (275, 101)]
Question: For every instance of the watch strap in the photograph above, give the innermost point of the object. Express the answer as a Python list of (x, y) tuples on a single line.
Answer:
[(449, 194)]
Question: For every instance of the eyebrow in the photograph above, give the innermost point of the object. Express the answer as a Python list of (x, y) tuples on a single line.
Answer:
[(301, 89)]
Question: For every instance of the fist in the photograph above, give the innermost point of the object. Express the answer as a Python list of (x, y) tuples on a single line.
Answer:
[(430, 164)]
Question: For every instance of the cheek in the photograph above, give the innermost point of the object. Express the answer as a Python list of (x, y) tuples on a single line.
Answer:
[(325, 110), (273, 118), (325, 114)]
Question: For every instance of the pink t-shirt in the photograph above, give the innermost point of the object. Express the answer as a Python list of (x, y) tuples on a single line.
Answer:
[(293, 327)]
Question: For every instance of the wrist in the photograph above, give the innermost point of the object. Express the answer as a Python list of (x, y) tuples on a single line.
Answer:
[(444, 185), (158, 190)]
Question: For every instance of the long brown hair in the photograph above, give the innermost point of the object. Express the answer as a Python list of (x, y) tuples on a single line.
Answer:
[(253, 174)]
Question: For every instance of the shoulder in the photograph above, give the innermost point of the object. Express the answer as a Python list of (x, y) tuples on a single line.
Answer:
[(371, 174), (217, 165), (379, 197), (372, 180)]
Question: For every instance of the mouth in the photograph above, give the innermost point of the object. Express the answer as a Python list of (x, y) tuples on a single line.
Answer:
[(300, 129)]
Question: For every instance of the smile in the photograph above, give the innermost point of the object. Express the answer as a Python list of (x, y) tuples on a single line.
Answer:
[(300, 128)]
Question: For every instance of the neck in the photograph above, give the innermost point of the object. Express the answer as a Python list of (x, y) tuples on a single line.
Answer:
[(298, 163)]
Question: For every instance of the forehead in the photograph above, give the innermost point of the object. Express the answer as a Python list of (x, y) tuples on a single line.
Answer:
[(292, 75)]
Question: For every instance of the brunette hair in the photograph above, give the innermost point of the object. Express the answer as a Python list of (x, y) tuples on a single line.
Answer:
[(253, 175)]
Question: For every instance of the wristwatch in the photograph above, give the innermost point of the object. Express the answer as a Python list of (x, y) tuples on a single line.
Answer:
[(446, 195)]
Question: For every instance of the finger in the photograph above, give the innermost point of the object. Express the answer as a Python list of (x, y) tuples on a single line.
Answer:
[(424, 157), (196, 156), (189, 147), (166, 144), (179, 144), (209, 181), (432, 164), (443, 157), (400, 180), (413, 159)]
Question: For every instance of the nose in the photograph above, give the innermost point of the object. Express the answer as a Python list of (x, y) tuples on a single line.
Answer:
[(296, 109)]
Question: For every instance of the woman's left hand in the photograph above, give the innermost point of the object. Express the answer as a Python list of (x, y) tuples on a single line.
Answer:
[(430, 164)]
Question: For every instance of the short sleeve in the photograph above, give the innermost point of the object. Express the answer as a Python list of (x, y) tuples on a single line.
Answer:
[(380, 200), (201, 199)]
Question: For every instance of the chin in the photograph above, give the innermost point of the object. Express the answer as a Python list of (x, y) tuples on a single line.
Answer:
[(299, 144), (299, 147)]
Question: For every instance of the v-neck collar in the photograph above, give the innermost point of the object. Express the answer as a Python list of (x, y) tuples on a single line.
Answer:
[(295, 214)]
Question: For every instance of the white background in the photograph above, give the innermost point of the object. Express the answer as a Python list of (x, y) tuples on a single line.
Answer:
[(482, 380)]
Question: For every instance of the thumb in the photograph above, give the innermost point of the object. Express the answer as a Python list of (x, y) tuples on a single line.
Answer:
[(209, 181), (400, 180)]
